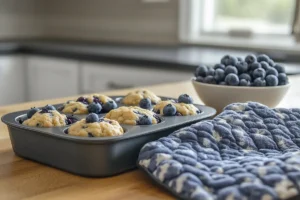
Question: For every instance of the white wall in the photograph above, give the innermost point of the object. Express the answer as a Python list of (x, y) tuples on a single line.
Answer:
[(95, 20), (18, 19)]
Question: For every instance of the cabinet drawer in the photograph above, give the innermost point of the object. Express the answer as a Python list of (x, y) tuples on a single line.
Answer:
[(12, 80), (52, 78), (100, 77)]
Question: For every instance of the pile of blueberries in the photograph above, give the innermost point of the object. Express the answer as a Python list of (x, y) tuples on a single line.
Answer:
[(258, 71)]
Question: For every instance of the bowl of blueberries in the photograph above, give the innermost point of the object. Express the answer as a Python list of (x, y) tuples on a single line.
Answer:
[(255, 78)]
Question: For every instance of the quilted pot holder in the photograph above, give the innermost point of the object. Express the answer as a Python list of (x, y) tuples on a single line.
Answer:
[(249, 151)]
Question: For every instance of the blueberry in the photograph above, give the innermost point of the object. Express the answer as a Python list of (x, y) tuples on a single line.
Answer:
[(229, 60), (200, 79), (108, 106), (82, 100), (201, 70), (31, 112), (263, 57), (44, 110), (244, 82), (279, 68), (185, 98), (225, 60), (239, 59), (61, 108), (210, 72), (49, 107), (250, 59), (282, 79), (144, 120), (265, 65), (232, 79), (169, 110), (94, 108), (91, 118), (71, 120), (271, 62), (260, 82), (219, 66), (242, 67), (272, 80), (259, 73), (97, 100), (156, 111), (209, 80), (245, 76), (231, 70), (272, 71), (255, 66), (158, 119), (219, 75), (222, 83), (90, 135), (145, 103)]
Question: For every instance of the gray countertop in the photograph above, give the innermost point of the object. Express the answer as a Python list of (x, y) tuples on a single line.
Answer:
[(180, 58)]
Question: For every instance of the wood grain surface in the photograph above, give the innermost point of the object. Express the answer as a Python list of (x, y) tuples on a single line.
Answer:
[(24, 179)]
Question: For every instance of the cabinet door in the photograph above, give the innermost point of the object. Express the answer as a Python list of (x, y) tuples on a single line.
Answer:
[(52, 77), (12, 80), (99, 77)]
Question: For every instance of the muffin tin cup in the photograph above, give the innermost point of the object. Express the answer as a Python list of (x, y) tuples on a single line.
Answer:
[(91, 156)]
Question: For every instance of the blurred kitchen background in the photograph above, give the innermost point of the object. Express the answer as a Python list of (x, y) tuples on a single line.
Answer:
[(59, 48)]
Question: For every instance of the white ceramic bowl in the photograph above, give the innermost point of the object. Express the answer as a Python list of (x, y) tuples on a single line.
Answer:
[(219, 96)]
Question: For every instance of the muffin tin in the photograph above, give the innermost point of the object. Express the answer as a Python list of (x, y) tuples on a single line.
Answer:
[(91, 156)]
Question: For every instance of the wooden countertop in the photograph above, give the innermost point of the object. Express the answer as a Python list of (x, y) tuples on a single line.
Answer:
[(24, 179)]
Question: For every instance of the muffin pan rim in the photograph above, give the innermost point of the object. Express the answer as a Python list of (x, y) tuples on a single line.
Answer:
[(130, 131)]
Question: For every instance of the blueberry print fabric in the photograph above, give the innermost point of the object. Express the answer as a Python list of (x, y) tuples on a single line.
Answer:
[(249, 151)]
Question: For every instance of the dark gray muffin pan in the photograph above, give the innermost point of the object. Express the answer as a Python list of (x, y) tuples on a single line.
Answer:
[(91, 156)]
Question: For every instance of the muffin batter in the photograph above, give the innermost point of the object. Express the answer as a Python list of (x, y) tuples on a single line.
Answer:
[(80, 106), (134, 97), (51, 118), (132, 115), (182, 108), (103, 128)]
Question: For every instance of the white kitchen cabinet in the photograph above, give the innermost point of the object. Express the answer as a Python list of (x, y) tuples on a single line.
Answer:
[(12, 80), (52, 77), (97, 77)]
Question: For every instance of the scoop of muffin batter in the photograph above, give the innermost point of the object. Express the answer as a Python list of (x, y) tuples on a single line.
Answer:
[(97, 128), (133, 116), (46, 118), (134, 97), (182, 108), (80, 106)]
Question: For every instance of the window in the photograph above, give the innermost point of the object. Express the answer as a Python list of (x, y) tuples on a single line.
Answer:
[(253, 16), (238, 20)]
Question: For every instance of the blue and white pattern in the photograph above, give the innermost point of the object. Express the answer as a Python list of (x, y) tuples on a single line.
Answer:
[(249, 151)]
